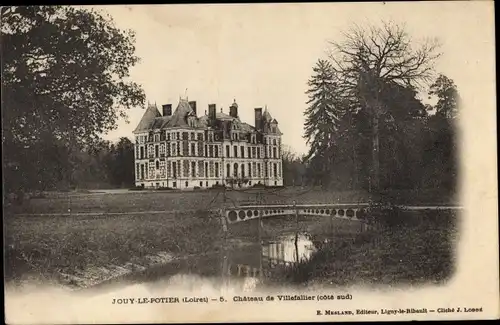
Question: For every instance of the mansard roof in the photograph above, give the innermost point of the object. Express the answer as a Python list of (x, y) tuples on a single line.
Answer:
[(153, 120)]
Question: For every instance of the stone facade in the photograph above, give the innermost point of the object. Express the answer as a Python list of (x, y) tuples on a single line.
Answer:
[(182, 150)]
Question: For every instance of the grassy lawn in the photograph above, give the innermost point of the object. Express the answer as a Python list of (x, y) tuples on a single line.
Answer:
[(48, 247)]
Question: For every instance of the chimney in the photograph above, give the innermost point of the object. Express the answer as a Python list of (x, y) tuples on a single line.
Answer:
[(258, 118), (193, 106), (167, 109), (211, 112)]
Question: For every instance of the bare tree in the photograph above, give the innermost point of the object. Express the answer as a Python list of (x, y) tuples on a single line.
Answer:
[(369, 58), (288, 154)]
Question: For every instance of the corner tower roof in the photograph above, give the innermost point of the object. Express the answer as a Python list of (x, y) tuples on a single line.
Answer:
[(148, 119)]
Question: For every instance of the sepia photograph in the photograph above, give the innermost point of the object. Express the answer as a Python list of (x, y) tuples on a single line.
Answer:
[(229, 162)]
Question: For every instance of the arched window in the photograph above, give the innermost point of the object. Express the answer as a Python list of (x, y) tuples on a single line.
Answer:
[(235, 173), (157, 164), (228, 170), (242, 171)]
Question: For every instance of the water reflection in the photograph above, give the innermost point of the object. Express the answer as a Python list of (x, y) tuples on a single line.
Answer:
[(240, 264)]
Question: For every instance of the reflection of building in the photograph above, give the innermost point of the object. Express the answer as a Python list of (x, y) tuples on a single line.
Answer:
[(283, 252), (288, 252), (184, 150)]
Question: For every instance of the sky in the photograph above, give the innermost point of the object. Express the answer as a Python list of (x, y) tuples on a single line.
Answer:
[(262, 54)]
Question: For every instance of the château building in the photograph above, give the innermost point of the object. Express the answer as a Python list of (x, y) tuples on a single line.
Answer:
[(183, 150)]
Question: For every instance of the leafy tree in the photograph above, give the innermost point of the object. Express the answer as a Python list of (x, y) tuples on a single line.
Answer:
[(447, 94), (65, 79), (121, 163)]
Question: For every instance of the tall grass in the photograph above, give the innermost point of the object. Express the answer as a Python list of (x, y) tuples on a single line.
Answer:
[(417, 250)]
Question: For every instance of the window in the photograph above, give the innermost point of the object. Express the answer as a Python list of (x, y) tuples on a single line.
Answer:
[(235, 151), (258, 153), (157, 150), (206, 183), (249, 152), (249, 169), (227, 151), (275, 170), (235, 173), (274, 152), (274, 142), (242, 150), (258, 171), (201, 184), (193, 169), (174, 170), (193, 149), (228, 173), (216, 169), (168, 136), (242, 171), (211, 151), (162, 150), (216, 151), (192, 136), (186, 184), (157, 164), (174, 184)]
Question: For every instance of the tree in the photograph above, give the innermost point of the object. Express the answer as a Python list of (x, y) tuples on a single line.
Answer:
[(120, 165), (447, 94), (369, 59), (322, 114), (65, 77), (293, 167)]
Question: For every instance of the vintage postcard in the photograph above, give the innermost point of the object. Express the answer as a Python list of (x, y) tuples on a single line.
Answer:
[(249, 162)]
